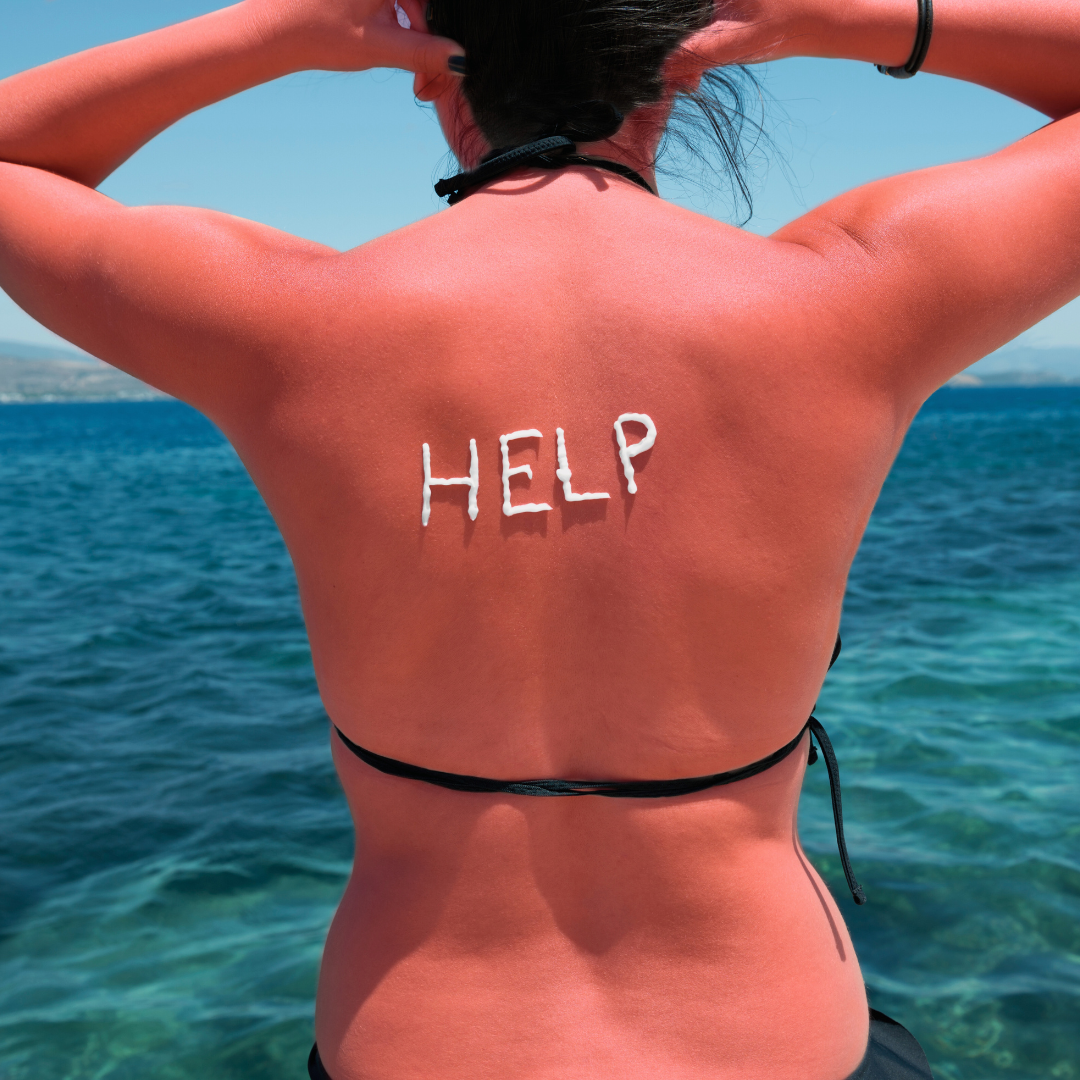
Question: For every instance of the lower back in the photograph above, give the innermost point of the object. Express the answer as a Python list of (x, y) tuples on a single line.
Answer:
[(486, 936)]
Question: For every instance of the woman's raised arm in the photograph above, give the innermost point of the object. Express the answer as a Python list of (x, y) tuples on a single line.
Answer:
[(910, 279), (84, 115), (1028, 50), (189, 300)]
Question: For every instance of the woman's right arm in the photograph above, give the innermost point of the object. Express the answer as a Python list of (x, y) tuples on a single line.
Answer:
[(1028, 50), (912, 278), (906, 281)]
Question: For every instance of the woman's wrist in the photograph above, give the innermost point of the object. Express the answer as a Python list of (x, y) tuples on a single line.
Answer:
[(874, 31), (1026, 51), (293, 37), (755, 31)]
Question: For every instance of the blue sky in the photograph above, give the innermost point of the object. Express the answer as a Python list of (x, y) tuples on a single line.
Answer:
[(341, 158)]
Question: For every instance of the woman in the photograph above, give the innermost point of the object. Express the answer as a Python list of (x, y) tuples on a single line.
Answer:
[(572, 480)]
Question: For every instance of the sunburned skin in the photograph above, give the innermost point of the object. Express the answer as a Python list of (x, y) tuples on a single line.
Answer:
[(487, 937)]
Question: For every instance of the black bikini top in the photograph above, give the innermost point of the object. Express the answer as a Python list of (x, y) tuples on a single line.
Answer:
[(634, 789), (555, 152)]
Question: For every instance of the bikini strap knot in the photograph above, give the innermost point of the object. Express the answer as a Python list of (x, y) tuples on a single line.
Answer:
[(542, 152), (552, 152)]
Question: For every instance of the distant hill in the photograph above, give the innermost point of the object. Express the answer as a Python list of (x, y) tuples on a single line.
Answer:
[(22, 350), (48, 373), (1024, 365)]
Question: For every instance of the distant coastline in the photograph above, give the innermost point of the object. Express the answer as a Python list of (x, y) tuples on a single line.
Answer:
[(33, 373), (966, 380), (1024, 365), (40, 373)]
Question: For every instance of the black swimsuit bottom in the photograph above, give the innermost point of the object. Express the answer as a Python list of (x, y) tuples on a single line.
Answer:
[(892, 1052)]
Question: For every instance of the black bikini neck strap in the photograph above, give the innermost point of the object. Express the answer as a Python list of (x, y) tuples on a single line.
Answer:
[(555, 152)]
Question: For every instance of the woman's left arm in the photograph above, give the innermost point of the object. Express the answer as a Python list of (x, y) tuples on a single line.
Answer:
[(189, 300)]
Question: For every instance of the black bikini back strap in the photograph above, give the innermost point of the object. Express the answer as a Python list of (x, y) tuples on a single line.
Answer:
[(612, 789), (554, 152), (632, 789)]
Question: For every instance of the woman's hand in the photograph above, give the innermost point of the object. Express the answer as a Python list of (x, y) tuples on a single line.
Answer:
[(741, 32), (352, 35)]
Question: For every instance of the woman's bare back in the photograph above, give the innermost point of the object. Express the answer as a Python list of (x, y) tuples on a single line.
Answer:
[(678, 631), (696, 617)]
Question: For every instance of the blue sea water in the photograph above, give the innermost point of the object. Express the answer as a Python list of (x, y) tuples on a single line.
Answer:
[(173, 839)]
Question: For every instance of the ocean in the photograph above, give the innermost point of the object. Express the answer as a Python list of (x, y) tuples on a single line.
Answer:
[(173, 839)]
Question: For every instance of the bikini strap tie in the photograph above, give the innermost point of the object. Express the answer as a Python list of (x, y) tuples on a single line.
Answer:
[(817, 733), (553, 152)]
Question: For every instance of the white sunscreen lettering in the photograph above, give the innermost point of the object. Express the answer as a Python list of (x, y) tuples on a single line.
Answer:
[(627, 452), (507, 472), (564, 474), (472, 481)]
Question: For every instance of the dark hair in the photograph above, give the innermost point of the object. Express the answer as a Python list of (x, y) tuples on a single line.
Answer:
[(576, 67)]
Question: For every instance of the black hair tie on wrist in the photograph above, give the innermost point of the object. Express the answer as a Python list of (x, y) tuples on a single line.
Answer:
[(922, 44)]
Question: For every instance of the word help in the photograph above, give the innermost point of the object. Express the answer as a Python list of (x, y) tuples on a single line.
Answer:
[(562, 473)]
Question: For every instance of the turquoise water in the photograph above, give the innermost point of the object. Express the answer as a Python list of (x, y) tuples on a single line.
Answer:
[(174, 839)]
